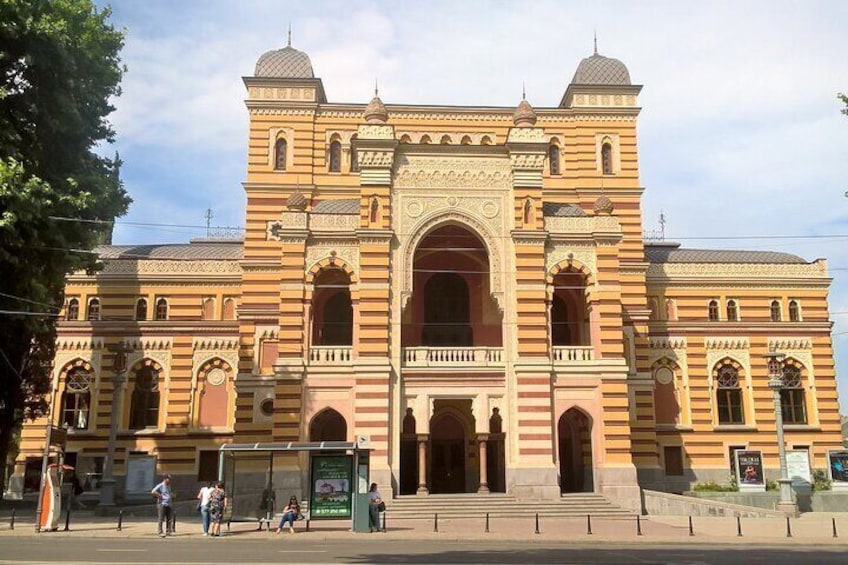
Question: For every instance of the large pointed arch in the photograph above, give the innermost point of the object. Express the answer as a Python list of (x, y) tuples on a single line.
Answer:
[(328, 425)]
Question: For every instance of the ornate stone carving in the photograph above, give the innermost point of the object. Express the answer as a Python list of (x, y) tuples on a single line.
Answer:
[(334, 222), (210, 347), (783, 344), (726, 343), (737, 270), (133, 267), (527, 160), (454, 137), (79, 343), (557, 252), (345, 250), (375, 131), (371, 158), (526, 135), (581, 224), (457, 172)]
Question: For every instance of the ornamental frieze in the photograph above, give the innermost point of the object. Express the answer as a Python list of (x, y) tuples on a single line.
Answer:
[(557, 253), (334, 222), (736, 270), (783, 344), (168, 267), (527, 160), (412, 171), (581, 224), (526, 135), (375, 158), (375, 131)]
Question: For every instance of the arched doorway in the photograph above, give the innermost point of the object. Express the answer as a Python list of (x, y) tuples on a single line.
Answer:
[(575, 452), (447, 451), (328, 425), (408, 455)]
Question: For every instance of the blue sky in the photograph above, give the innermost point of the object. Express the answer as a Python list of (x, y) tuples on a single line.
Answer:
[(740, 133)]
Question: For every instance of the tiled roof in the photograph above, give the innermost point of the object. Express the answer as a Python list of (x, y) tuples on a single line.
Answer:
[(557, 209), (287, 62), (197, 251), (672, 253), (345, 206), (598, 69)]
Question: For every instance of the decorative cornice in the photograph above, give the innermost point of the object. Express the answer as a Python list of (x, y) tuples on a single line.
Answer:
[(667, 342), (790, 343), (413, 171), (123, 268), (737, 270), (79, 343), (526, 135), (727, 343), (375, 131), (144, 344), (215, 343)]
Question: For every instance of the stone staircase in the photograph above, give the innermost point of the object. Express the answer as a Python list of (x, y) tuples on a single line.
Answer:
[(448, 506)]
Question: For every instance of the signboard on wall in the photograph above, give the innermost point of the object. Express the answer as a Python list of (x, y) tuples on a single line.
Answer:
[(330, 487), (837, 463), (798, 467), (141, 474), (749, 470)]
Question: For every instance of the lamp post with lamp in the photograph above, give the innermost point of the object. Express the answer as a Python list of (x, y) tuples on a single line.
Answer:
[(119, 366), (774, 361)]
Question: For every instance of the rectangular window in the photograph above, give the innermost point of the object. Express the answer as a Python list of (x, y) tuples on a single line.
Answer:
[(673, 460), (729, 402), (794, 408), (207, 466)]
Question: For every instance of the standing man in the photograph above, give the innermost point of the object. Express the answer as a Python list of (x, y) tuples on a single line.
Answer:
[(203, 506), (162, 492)]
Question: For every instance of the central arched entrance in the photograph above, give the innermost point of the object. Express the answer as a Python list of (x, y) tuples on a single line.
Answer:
[(575, 452), (447, 450)]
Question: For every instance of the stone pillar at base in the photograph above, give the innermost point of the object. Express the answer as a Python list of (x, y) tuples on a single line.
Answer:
[(787, 504), (620, 486), (540, 483), (422, 464), (15, 488), (484, 479)]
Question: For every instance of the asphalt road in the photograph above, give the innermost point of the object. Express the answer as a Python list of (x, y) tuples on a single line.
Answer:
[(175, 551)]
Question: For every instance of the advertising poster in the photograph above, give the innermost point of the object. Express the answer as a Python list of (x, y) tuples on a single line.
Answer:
[(141, 474), (838, 463), (798, 467), (749, 469), (330, 486)]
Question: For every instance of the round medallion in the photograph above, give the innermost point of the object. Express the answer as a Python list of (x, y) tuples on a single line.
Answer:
[(453, 201), (490, 209), (216, 376), (664, 375), (414, 209)]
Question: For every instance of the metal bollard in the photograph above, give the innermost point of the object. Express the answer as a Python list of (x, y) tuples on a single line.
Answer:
[(436, 522), (120, 519), (638, 525), (384, 520), (833, 520), (589, 524), (487, 523), (788, 528), (173, 520), (12, 522), (691, 528), (537, 523), (738, 526), (67, 519), (307, 525)]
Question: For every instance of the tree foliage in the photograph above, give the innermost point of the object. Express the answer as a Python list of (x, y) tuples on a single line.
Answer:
[(59, 71), (844, 98)]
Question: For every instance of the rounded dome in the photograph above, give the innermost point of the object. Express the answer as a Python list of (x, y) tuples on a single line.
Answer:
[(375, 112), (603, 205), (598, 69), (287, 62), (524, 115), (296, 201)]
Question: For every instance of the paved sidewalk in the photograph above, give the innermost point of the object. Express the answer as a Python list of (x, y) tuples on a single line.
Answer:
[(816, 529)]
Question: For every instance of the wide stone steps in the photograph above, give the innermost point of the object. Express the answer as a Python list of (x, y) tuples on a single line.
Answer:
[(449, 506)]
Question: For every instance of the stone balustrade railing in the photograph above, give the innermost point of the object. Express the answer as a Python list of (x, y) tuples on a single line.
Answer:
[(330, 354), (453, 357), (569, 354)]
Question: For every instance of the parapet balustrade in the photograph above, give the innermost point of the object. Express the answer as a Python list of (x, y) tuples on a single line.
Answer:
[(562, 354), (453, 357), (330, 354)]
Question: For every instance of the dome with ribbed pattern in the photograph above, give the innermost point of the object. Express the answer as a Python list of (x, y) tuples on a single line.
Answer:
[(598, 69)]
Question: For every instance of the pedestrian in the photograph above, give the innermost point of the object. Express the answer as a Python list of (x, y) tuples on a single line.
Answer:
[(217, 507), (203, 506), (290, 514), (375, 506), (74, 494), (163, 495)]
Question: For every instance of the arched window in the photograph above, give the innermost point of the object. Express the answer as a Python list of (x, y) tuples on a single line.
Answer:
[(328, 425), (670, 309), (553, 159), (485, 140), (208, 310), (335, 157), (354, 155), (229, 309), (374, 212), (713, 311), (280, 149), (93, 309), (76, 400), (654, 308), (161, 309), (141, 309), (529, 214), (792, 399), (775, 311), (606, 158), (73, 309), (794, 311), (405, 139), (732, 311), (728, 395), (144, 406), (332, 309)]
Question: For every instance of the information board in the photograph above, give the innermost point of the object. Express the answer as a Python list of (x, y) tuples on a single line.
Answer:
[(141, 474), (330, 486), (798, 467), (749, 470)]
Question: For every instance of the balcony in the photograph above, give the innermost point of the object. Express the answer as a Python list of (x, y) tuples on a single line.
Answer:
[(453, 357), (564, 355), (330, 355)]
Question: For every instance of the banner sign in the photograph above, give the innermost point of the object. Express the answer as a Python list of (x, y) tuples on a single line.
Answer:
[(837, 462), (749, 470), (330, 484)]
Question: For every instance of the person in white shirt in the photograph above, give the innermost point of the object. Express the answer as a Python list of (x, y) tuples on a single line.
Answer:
[(203, 506), (375, 506)]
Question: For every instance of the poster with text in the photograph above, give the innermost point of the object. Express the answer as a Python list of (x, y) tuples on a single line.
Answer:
[(330, 485), (838, 463), (798, 467), (141, 474), (749, 468)]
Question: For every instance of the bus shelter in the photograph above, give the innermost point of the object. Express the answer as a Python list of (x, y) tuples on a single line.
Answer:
[(336, 487)]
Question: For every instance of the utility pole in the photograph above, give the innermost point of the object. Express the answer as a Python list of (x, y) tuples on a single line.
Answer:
[(208, 215)]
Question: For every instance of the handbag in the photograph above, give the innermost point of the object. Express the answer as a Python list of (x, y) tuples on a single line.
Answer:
[(381, 507), (198, 507)]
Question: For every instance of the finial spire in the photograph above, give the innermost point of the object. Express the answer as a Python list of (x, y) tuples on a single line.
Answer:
[(596, 42), (523, 91), (376, 89), (289, 43)]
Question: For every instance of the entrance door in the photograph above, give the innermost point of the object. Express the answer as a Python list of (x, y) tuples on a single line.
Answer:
[(575, 452), (447, 451)]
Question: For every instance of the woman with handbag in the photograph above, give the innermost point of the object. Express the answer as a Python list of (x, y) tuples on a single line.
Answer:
[(375, 506)]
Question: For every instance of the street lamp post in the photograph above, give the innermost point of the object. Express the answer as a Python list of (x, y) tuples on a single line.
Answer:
[(119, 364), (775, 383)]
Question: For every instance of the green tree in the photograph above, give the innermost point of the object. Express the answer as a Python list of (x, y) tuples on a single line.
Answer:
[(844, 98), (59, 70)]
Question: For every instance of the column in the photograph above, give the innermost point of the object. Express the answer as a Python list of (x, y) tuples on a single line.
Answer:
[(482, 440), (422, 464)]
